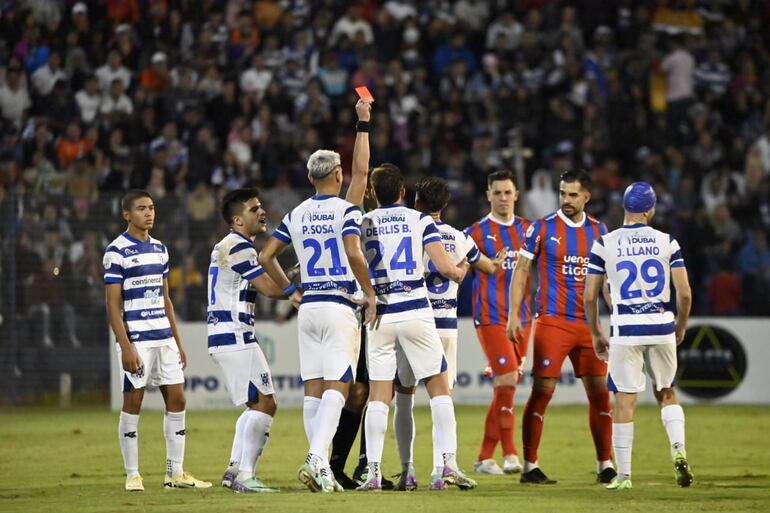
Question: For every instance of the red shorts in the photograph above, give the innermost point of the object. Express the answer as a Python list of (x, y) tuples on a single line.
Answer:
[(503, 356), (555, 339)]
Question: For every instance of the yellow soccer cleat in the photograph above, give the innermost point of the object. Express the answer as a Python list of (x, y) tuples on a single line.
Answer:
[(134, 484), (184, 480)]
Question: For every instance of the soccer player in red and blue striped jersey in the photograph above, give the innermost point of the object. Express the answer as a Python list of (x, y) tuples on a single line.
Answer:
[(559, 245), (500, 231)]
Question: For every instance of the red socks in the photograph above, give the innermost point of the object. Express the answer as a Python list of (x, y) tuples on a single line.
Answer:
[(491, 434), (503, 403), (600, 420), (499, 424), (532, 422)]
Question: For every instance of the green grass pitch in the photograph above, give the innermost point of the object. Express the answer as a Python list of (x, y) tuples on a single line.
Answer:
[(69, 461)]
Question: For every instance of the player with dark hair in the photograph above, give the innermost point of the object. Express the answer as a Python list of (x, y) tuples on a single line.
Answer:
[(431, 196), (558, 245), (501, 232), (142, 317), (234, 278)]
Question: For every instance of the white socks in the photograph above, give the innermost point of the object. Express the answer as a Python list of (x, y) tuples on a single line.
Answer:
[(375, 425), (128, 436), (309, 409), (255, 436), (528, 465), (237, 450), (443, 413), (673, 420), (622, 442), (174, 432), (325, 424), (403, 426)]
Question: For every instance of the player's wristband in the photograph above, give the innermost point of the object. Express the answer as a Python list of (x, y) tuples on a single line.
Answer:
[(362, 126), (291, 289)]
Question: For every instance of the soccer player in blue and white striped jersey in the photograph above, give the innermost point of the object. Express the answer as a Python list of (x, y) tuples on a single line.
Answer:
[(394, 239), (641, 263), (325, 233), (141, 315), (431, 196), (234, 279)]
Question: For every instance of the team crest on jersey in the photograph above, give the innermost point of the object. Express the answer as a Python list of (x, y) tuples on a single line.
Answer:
[(265, 377), (135, 260), (502, 360), (253, 261), (546, 362), (153, 296), (530, 231)]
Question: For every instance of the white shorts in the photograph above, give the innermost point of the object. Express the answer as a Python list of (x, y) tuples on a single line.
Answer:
[(416, 341), (160, 366), (628, 364), (245, 373), (406, 376), (329, 341)]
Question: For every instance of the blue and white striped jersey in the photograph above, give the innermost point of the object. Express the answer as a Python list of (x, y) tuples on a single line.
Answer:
[(231, 296), (140, 268), (442, 292), (393, 238), (638, 260), (316, 229)]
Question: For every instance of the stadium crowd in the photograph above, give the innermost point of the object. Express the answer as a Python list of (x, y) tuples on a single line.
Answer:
[(189, 99)]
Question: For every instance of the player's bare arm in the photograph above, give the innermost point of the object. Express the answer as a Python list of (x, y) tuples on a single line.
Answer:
[(360, 171), (268, 259), (128, 354), (516, 292), (360, 270), (169, 306), (606, 292), (490, 265), (594, 284), (444, 263), (683, 301), (267, 287)]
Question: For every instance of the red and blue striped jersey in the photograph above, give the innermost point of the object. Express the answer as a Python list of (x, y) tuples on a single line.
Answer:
[(490, 291), (560, 249)]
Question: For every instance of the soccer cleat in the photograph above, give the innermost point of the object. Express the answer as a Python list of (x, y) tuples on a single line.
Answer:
[(228, 478), (345, 480), (371, 485), (253, 485), (511, 464), (361, 474), (606, 476), (489, 466), (134, 484), (455, 477), (684, 476), (184, 480), (625, 484), (536, 476), (437, 482), (406, 482), (308, 476), (335, 486)]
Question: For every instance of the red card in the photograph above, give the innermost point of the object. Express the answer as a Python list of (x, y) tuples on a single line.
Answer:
[(364, 94)]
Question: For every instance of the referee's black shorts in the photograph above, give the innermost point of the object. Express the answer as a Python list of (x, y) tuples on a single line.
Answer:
[(362, 372)]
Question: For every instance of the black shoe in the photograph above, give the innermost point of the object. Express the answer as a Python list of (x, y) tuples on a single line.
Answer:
[(606, 476), (387, 484), (535, 476), (345, 480), (359, 472)]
